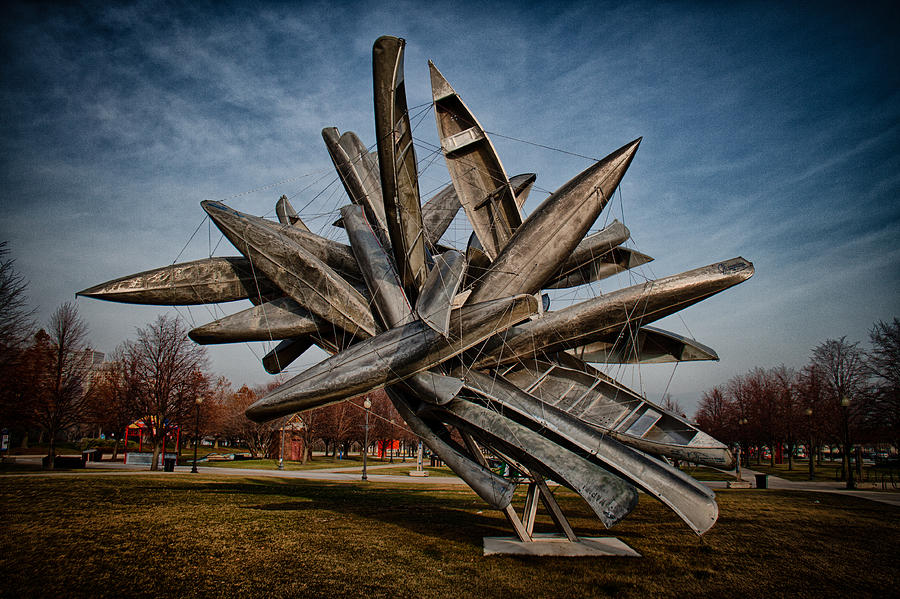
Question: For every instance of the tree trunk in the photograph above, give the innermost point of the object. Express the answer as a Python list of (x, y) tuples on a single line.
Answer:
[(51, 453), (115, 450), (154, 463), (810, 454)]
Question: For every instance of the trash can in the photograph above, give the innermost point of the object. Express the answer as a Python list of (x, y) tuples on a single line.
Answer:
[(169, 464), (762, 481)]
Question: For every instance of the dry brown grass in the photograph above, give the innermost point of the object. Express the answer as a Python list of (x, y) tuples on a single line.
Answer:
[(183, 535)]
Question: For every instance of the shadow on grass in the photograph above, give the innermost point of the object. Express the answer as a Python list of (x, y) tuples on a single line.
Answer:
[(444, 513), (195, 535)]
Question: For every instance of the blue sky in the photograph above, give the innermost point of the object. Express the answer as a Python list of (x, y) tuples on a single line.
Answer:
[(771, 131)]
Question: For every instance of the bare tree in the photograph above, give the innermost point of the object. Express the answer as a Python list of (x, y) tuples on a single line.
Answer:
[(715, 415), (60, 397), (843, 370), (739, 395), (16, 326), (261, 438), (787, 425), (672, 405), (339, 424), (884, 366), (16, 319), (115, 394), (170, 373), (817, 410), (214, 413), (311, 422)]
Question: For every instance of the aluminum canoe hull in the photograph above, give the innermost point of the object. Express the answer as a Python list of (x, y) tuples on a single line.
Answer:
[(600, 401), (298, 273), (397, 163), (390, 357), (478, 175), (649, 345), (209, 280), (608, 315), (541, 245), (279, 319), (610, 497), (691, 500)]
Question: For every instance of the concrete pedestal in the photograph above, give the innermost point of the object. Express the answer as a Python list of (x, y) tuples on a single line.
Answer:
[(559, 546), (738, 484)]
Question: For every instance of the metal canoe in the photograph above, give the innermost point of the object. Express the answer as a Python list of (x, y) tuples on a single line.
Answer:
[(587, 394), (612, 235), (596, 257), (493, 489), (478, 262), (360, 177), (438, 212), (333, 253), (607, 315), (649, 345), (391, 304), (278, 319), (284, 353), (691, 500), (598, 268), (521, 185), (377, 269), (390, 357), (436, 300), (478, 175), (209, 280), (301, 275), (547, 237), (287, 215), (610, 497), (397, 163)]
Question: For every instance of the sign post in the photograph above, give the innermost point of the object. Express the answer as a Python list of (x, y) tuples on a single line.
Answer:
[(4, 443)]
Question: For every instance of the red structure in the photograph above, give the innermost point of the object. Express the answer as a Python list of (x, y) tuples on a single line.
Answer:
[(384, 446), (146, 427)]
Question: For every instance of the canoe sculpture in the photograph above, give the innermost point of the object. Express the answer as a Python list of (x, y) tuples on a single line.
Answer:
[(462, 337)]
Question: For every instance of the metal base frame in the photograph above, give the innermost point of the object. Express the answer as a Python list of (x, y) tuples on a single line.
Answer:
[(564, 543)]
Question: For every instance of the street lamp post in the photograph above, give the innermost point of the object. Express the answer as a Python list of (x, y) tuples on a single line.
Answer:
[(744, 445), (197, 403), (281, 446), (809, 447), (845, 411), (391, 448), (366, 404)]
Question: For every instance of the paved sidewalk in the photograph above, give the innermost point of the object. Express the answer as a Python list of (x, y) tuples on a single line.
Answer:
[(341, 474), (836, 487)]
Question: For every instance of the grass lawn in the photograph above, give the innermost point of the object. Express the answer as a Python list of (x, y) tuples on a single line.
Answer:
[(705, 473), (183, 535), (401, 470), (317, 463), (828, 471)]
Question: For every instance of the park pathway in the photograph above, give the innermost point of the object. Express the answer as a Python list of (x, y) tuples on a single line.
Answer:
[(354, 474), (836, 487)]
